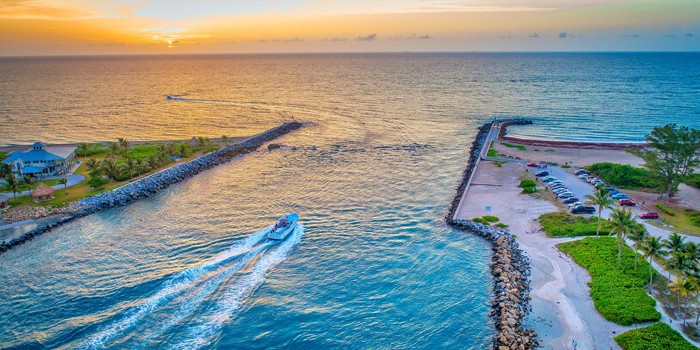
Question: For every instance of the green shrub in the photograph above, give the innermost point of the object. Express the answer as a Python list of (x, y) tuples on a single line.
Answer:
[(510, 145), (566, 166), (530, 189), (624, 176), (97, 182), (142, 151), (492, 153), (490, 218), (3, 155), (554, 164), (481, 221), (527, 183), (567, 225), (501, 225), (692, 180), (665, 209), (657, 336), (537, 149), (617, 289)]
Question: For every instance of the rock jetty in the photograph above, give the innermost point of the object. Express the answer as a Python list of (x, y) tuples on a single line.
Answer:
[(155, 183), (509, 266)]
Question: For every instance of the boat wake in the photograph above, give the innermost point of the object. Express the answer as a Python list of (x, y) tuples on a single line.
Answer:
[(185, 300)]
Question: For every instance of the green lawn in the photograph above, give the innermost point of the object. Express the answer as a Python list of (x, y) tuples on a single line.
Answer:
[(510, 145), (685, 220), (657, 336), (567, 225), (617, 289)]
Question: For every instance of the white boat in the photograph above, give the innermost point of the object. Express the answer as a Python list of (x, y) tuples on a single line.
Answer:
[(284, 226)]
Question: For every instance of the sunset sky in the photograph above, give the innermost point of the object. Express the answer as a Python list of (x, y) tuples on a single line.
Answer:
[(76, 27)]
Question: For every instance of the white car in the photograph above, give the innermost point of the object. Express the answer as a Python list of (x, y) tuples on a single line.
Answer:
[(566, 194), (575, 204)]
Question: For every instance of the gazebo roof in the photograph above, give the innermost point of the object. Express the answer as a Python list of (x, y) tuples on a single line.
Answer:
[(43, 191)]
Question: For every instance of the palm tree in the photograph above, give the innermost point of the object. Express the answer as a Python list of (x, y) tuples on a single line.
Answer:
[(83, 149), (622, 223), (152, 161), (602, 198), (5, 169), (170, 149), (139, 163), (123, 143), (183, 150), (111, 168), (113, 148), (92, 164), (637, 236), (684, 287), (692, 251), (678, 263), (63, 181), (130, 166), (675, 242), (11, 185), (28, 180), (225, 139), (652, 248)]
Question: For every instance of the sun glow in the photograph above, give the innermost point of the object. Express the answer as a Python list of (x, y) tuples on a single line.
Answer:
[(151, 26)]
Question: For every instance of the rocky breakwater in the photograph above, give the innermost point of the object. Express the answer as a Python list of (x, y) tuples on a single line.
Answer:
[(511, 303), (510, 267), (155, 183)]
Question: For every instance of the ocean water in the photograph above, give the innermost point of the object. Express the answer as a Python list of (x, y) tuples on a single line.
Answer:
[(373, 266)]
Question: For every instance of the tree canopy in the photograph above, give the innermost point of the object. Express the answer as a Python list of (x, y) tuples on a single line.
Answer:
[(674, 154)]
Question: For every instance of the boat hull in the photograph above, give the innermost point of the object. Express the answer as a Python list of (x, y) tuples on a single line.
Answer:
[(282, 232)]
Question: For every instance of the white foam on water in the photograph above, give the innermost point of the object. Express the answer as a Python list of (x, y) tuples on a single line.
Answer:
[(176, 284), (195, 299), (201, 335)]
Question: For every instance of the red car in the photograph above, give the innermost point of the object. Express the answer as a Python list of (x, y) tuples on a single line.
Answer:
[(649, 215), (533, 165), (627, 202)]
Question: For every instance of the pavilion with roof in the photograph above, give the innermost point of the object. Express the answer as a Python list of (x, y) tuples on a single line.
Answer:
[(41, 160)]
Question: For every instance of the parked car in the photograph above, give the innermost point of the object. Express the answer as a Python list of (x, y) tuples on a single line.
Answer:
[(557, 186), (575, 204), (619, 196), (549, 179), (627, 202), (542, 173), (533, 165), (560, 190), (649, 215), (581, 172), (582, 209), (613, 192), (566, 194), (555, 182), (590, 179), (583, 176), (571, 200)]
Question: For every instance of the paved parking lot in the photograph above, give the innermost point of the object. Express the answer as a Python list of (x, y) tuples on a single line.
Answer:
[(581, 188)]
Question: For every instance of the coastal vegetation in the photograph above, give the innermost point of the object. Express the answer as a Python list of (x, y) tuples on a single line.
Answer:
[(528, 186), (624, 176), (665, 209), (673, 155), (602, 199), (685, 220), (488, 220), (566, 225), (617, 287), (492, 152), (657, 336), (692, 180), (510, 145)]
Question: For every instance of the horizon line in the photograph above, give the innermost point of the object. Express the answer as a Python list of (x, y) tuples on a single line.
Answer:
[(338, 52)]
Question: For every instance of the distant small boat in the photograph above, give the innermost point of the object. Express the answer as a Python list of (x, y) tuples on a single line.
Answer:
[(284, 226), (169, 97)]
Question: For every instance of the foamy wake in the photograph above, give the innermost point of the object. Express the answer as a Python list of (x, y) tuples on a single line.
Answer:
[(210, 324), (181, 282)]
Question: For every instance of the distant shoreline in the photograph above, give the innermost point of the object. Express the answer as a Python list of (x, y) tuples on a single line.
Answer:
[(503, 135), (12, 148)]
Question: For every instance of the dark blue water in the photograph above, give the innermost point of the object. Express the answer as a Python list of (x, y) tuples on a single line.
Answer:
[(374, 265)]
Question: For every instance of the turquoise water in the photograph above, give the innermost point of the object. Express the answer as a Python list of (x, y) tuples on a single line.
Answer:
[(374, 265)]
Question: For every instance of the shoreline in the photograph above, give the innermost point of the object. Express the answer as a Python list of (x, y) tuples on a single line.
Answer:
[(20, 147), (154, 183), (503, 135)]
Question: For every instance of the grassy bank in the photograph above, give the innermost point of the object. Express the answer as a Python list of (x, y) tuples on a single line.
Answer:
[(566, 225), (657, 336), (617, 289)]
